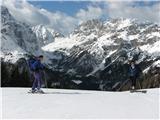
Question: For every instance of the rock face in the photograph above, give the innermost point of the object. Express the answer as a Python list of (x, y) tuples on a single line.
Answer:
[(16, 34), (45, 35), (100, 51), (19, 41), (15, 75), (95, 53)]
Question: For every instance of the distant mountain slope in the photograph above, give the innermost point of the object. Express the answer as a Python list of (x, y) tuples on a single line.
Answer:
[(19, 38), (45, 35), (96, 52), (101, 50), (94, 41)]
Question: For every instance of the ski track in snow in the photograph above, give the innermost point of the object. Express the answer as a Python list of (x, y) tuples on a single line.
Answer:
[(59, 103)]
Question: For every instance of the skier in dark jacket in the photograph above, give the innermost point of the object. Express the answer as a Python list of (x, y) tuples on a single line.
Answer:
[(37, 67), (134, 72)]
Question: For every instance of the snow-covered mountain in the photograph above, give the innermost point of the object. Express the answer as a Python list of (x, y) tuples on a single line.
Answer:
[(16, 37), (101, 50), (45, 35), (93, 42), (19, 39), (95, 52)]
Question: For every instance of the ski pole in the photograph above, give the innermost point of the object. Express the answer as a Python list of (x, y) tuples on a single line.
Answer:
[(139, 84), (45, 79)]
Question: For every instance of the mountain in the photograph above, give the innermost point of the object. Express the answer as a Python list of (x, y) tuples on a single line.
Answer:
[(45, 35), (100, 50), (19, 38), (16, 37), (95, 53), (19, 41)]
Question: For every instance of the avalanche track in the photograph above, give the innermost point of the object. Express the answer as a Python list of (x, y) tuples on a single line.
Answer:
[(59, 103)]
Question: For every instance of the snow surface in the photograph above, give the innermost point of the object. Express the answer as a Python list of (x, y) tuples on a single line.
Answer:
[(101, 65), (45, 35), (132, 37), (155, 64), (59, 103), (66, 43), (153, 49), (8, 51), (124, 23), (77, 81), (123, 35)]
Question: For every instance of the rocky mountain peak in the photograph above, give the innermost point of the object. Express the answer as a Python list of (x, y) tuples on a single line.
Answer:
[(5, 15), (96, 50)]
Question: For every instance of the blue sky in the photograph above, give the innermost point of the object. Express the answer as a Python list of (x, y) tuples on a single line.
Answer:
[(69, 7), (64, 16), (72, 7)]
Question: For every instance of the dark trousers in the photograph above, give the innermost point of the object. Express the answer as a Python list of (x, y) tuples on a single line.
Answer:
[(37, 81), (133, 80)]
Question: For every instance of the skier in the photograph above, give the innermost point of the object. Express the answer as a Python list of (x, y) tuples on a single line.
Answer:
[(134, 72), (31, 60), (37, 68)]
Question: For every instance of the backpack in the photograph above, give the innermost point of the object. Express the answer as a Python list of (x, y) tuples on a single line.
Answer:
[(31, 61)]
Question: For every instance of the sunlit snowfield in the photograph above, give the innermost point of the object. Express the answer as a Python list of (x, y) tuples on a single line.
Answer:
[(58, 103)]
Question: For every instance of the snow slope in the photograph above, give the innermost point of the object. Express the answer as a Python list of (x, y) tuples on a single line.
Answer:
[(88, 48), (45, 35), (79, 104), (19, 39)]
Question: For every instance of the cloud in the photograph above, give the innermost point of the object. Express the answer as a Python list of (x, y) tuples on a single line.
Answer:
[(60, 21), (128, 9), (64, 23), (91, 13), (26, 12)]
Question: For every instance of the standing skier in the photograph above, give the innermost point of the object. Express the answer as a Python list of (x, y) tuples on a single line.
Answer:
[(37, 72), (134, 72)]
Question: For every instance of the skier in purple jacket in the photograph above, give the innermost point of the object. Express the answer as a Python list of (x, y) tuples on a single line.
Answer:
[(37, 72)]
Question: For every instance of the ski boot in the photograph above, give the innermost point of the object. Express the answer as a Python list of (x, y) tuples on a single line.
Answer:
[(32, 91), (40, 91)]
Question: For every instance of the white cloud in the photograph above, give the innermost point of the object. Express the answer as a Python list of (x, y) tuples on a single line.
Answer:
[(126, 9), (26, 12), (91, 13)]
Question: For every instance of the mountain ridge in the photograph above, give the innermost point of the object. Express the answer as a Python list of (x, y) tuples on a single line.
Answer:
[(97, 50)]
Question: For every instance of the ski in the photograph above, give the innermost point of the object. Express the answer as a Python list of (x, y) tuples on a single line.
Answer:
[(36, 92), (140, 91)]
